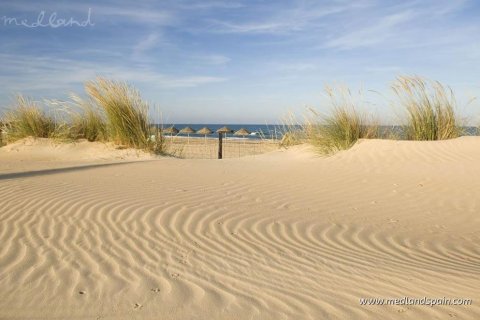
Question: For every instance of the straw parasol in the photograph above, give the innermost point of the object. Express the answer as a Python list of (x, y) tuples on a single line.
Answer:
[(188, 131), (225, 130), (242, 132), (205, 131), (172, 130), (221, 132)]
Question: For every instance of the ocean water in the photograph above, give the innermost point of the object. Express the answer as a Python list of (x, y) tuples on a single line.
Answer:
[(259, 131), (262, 131)]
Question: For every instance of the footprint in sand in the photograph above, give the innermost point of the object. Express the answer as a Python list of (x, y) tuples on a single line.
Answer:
[(137, 306), (175, 275), (81, 292), (156, 290)]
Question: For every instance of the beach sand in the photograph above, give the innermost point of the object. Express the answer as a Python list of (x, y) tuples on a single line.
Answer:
[(90, 232)]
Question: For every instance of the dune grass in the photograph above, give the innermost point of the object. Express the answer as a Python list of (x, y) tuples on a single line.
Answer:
[(126, 116), (430, 109), (112, 111), (292, 131), (88, 122), (126, 112), (342, 127), (27, 119)]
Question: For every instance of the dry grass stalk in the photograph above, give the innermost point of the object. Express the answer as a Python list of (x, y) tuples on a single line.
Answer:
[(27, 119), (340, 129), (430, 109)]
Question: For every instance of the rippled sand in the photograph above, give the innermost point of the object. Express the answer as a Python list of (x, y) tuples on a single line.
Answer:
[(284, 235)]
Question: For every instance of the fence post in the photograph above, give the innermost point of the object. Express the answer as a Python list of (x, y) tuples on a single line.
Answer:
[(220, 138)]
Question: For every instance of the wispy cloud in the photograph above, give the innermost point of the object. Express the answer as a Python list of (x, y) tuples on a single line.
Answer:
[(212, 59), (209, 5), (26, 73), (297, 17), (373, 34), (140, 15), (145, 44)]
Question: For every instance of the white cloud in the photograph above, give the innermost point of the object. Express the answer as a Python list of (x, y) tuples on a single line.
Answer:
[(375, 33), (145, 44), (284, 19), (139, 15), (27, 73), (213, 59), (207, 5)]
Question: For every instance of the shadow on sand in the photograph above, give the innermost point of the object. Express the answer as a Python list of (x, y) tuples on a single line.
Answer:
[(28, 174)]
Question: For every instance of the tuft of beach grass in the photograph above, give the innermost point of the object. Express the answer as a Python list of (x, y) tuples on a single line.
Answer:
[(430, 109), (88, 122), (126, 114), (342, 127), (27, 119), (292, 131)]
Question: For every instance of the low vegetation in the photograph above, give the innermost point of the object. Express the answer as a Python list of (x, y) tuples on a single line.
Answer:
[(27, 119), (112, 111), (342, 127), (115, 112), (87, 120), (126, 113), (430, 109), (292, 131)]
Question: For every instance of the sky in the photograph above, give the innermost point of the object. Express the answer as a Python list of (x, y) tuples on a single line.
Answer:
[(239, 61)]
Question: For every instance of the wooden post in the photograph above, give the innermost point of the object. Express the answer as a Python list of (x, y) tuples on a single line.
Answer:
[(220, 136)]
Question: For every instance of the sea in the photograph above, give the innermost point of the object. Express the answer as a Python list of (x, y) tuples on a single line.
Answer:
[(257, 131), (263, 131)]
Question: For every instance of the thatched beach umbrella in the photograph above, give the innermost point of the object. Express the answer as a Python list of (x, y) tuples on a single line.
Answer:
[(188, 131), (205, 131), (221, 132), (224, 130), (242, 132), (172, 130)]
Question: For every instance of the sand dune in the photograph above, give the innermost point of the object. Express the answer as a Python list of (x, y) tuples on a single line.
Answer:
[(284, 235)]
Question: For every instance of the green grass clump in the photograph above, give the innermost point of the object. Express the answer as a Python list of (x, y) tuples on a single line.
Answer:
[(340, 129), (26, 119), (430, 109), (126, 114), (89, 123), (112, 111)]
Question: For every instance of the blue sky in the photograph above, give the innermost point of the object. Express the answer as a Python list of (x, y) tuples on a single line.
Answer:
[(240, 61)]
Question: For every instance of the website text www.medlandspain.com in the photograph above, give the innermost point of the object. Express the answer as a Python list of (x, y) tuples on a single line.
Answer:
[(410, 301)]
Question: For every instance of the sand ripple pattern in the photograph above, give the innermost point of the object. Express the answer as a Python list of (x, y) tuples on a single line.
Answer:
[(226, 243)]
